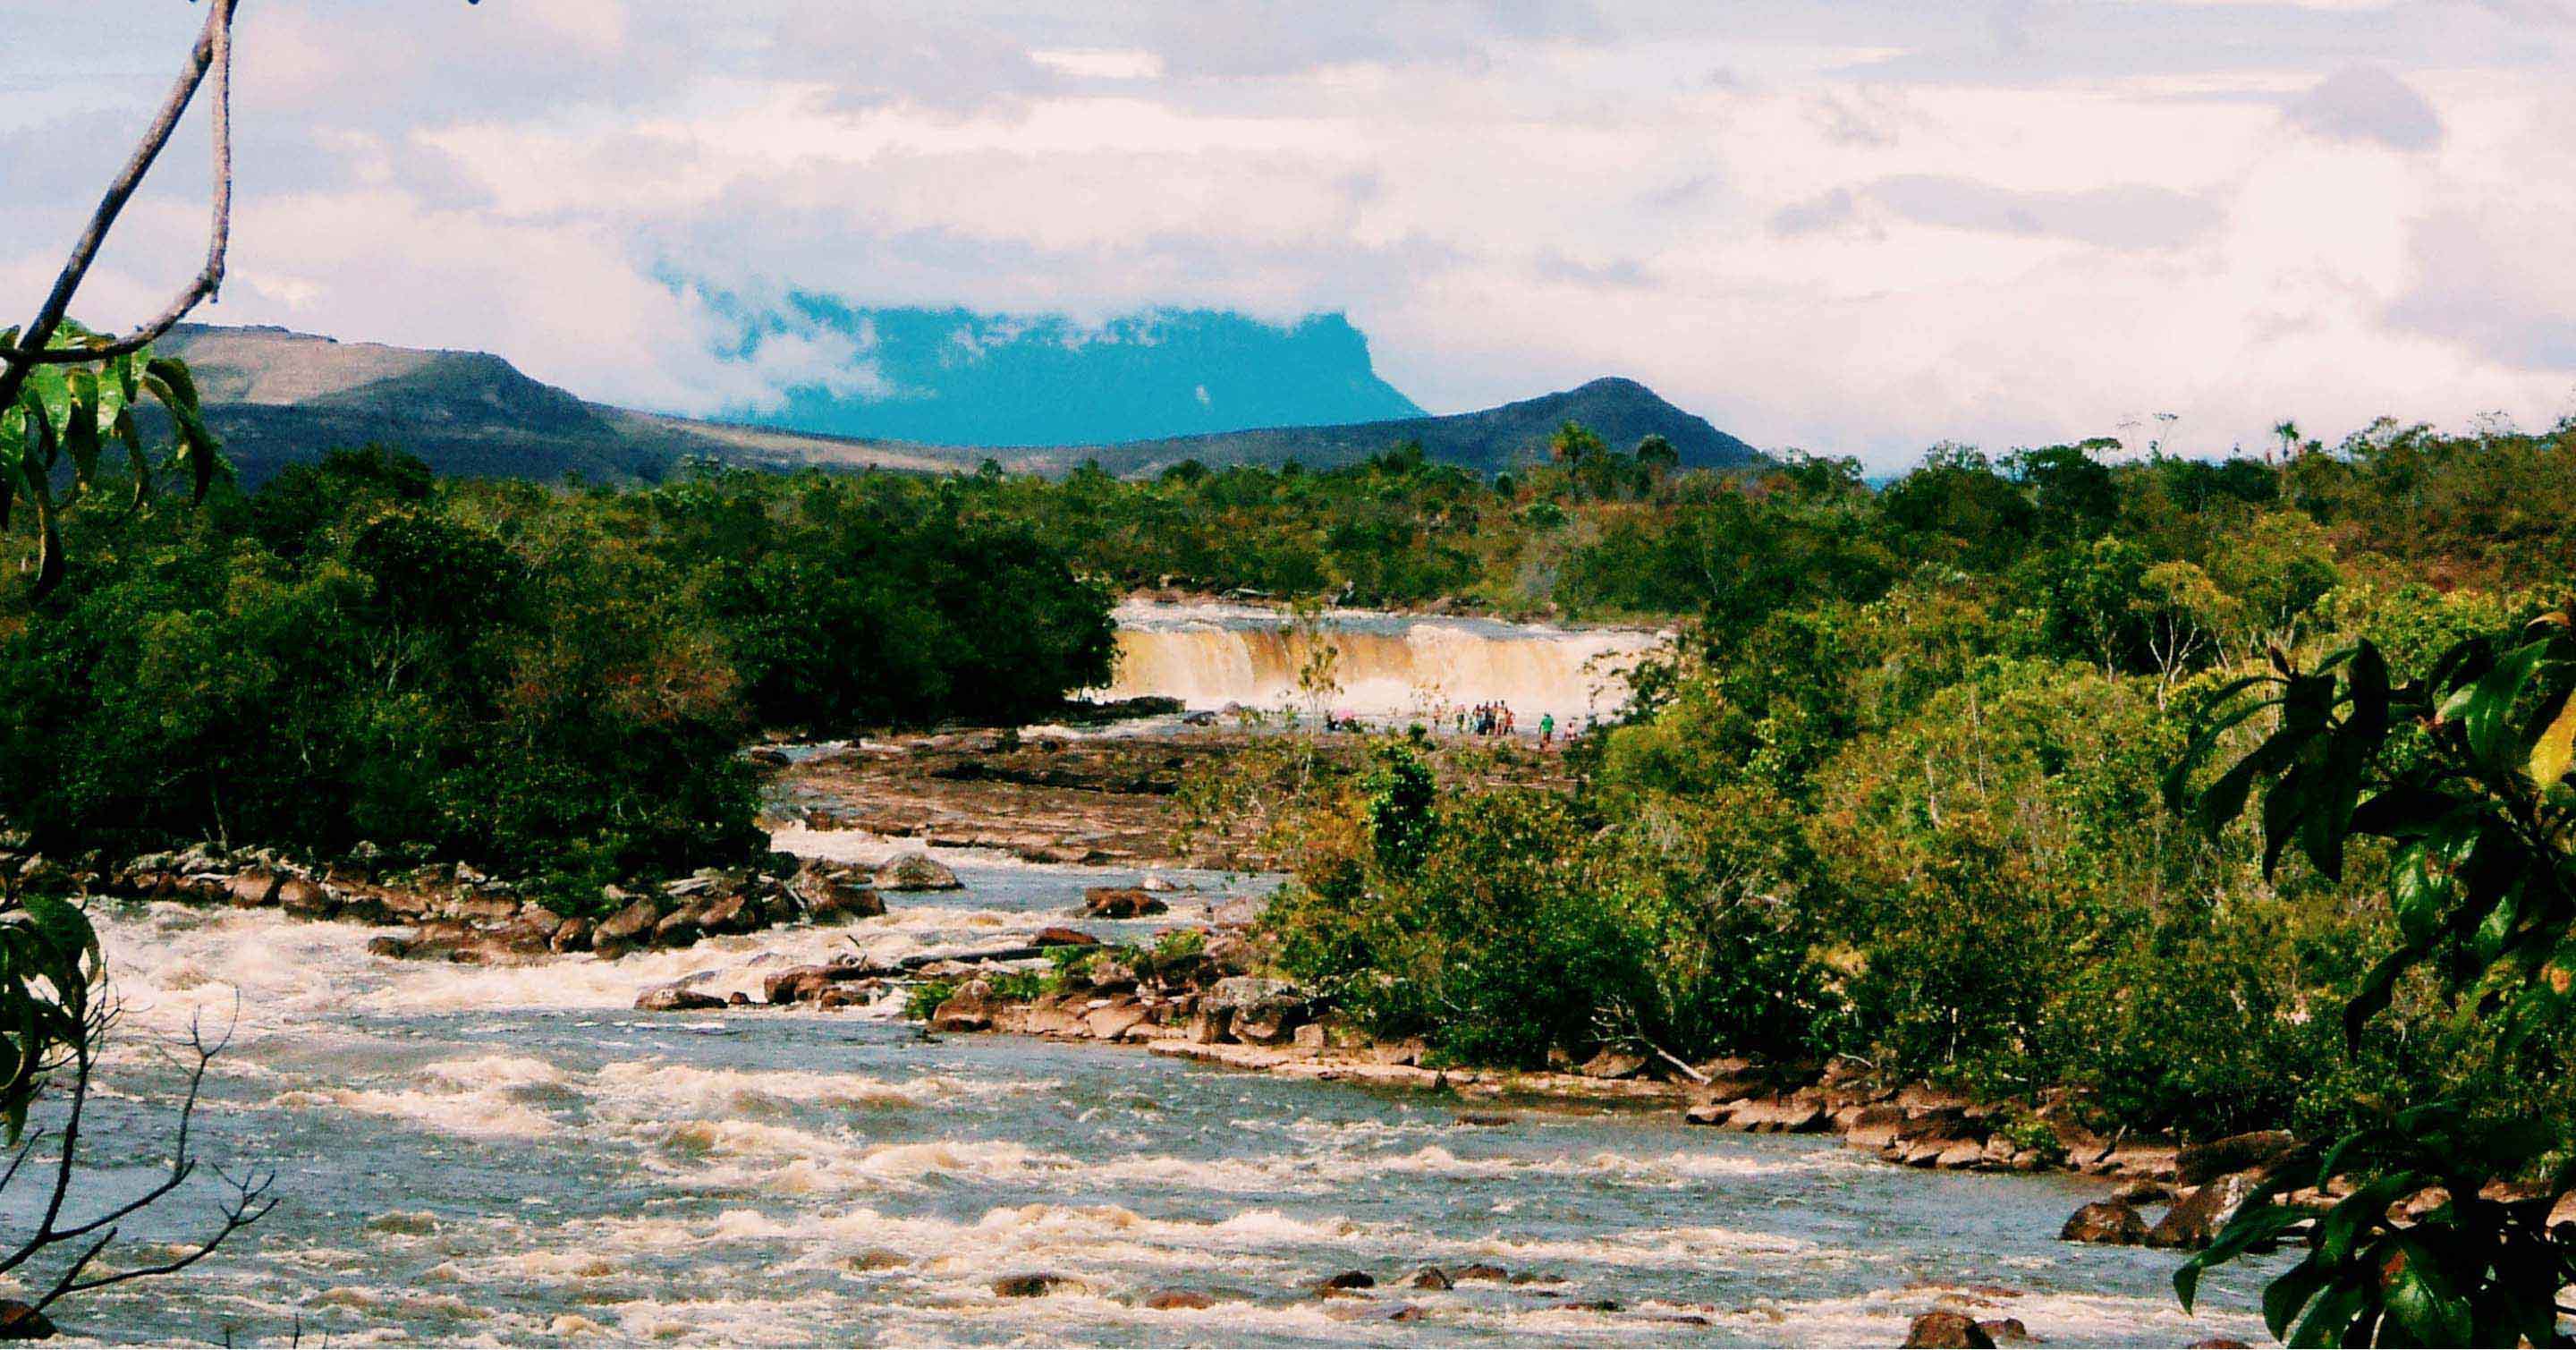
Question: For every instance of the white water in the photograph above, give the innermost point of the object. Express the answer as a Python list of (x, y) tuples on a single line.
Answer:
[(515, 1156), (1380, 665)]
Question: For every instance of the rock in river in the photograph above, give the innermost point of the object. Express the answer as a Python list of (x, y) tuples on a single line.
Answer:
[(1946, 1330), (2113, 1221), (917, 872), (673, 998), (1120, 902)]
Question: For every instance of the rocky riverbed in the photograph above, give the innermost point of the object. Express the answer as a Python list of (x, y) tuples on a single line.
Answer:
[(509, 1152)]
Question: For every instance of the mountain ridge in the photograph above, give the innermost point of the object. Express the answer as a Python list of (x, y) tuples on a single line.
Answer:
[(279, 397)]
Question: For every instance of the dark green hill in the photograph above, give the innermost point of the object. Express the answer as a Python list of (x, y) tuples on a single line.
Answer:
[(278, 397)]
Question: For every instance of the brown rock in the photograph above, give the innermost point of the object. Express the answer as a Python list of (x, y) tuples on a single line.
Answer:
[(572, 936), (1429, 1277), (1168, 1300), (2197, 1217), (1028, 1286), (1788, 1114), (1112, 1022), (2200, 1164), (1063, 937), (969, 1009), (2110, 1221), (2006, 1331), (1121, 902), (730, 914), (834, 894), (626, 929), (681, 927), (394, 948), (673, 998), (797, 985), (1613, 1064), (21, 1322), (1944, 1330), (917, 872), (305, 898), (252, 889), (2143, 1192), (1477, 1270), (1348, 1279), (1406, 1312)]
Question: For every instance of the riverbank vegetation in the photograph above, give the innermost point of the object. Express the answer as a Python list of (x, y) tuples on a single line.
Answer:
[(544, 682), (1897, 795)]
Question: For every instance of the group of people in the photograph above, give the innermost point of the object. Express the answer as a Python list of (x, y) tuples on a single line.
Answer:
[(1497, 719)]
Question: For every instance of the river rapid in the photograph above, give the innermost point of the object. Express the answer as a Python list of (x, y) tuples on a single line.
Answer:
[(516, 1156)]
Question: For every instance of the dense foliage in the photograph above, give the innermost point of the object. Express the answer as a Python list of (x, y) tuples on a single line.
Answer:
[(1896, 795), (539, 681), (2464, 773)]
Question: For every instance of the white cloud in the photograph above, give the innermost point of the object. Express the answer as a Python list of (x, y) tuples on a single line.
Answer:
[(1879, 228)]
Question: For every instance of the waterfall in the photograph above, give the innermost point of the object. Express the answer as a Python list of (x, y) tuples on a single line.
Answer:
[(1385, 665)]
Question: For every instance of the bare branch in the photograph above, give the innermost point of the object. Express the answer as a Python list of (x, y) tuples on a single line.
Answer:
[(213, 52)]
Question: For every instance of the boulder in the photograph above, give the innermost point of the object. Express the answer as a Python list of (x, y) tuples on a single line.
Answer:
[(835, 894), (305, 898), (2111, 1221), (1121, 902), (21, 1322), (395, 948), (1029, 1286), (1947, 1330), (681, 927), (969, 1009), (802, 984), (1791, 1113), (624, 930), (673, 998), (1114, 1021), (1348, 1279), (573, 936), (917, 872), (731, 914), (1172, 1300), (1063, 937), (1429, 1277), (1477, 1270), (1611, 1063), (2200, 1164), (252, 889), (2006, 1331), (2197, 1217)]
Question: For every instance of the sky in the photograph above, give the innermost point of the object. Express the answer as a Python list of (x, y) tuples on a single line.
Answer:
[(1859, 228)]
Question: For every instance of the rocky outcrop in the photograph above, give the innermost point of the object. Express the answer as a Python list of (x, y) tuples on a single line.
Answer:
[(459, 914), (2198, 1216), (2111, 1221), (1945, 1330), (2202, 1163), (917, 872), (676, 998), (1121, 902)]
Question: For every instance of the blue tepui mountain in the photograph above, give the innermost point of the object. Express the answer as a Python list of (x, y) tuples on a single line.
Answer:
[(959, 378)]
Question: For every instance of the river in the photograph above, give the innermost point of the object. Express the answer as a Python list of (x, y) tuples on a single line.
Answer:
[(514, 1155)]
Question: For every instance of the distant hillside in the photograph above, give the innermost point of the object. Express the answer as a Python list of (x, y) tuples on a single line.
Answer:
[(1515, 434), (278, 397), (957, 378)]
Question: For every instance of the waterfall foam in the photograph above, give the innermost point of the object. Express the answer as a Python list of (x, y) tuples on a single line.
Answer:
[(1383, 665)]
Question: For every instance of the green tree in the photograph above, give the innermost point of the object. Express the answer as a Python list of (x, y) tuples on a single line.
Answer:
[(2463, 772)]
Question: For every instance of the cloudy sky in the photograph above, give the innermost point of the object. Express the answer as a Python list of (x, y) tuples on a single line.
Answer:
[(1853, 227)]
